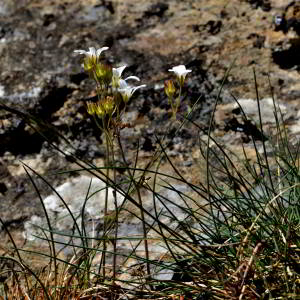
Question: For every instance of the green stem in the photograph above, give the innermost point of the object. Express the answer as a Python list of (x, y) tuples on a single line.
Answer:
[(175, 105), (103, 258), (116, 210), (137, 188)]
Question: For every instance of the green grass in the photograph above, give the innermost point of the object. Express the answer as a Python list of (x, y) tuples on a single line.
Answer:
[(240, 238)]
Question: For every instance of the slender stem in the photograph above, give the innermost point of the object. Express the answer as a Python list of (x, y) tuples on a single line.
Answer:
[(137, 188), (106, 193), (179, 98), (115, 241), (144, 228), (175, 104), (103, 258)]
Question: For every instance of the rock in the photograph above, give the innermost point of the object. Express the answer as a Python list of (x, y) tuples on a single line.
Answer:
[(7, 7), (74, 192), (226, 112), (295, 128), (233, 128)]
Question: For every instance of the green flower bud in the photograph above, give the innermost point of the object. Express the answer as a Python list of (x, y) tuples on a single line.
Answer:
[(170, 88)]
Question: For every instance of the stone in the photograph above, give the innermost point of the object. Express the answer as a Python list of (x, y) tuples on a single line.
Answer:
[(74, 192), (225, 112)]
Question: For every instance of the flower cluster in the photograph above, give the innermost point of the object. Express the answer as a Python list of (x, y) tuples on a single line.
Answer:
[(110, 85), (113, 89), (103, 107)]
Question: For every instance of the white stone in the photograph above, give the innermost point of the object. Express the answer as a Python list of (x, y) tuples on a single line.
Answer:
[(2, 91), (74, 193), (250, 108)]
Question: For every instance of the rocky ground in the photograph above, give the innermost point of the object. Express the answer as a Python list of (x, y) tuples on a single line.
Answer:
[(41, 76)]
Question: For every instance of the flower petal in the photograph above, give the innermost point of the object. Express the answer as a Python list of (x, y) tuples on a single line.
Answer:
[(118, 71), (129, 90), (122, 84), (137, 87), (99, 51), (132, 77), (180, 70), (80, 51), (92, 51)]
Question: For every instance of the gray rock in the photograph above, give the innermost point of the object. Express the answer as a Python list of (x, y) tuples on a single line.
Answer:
[(74, 192), (7, 7)]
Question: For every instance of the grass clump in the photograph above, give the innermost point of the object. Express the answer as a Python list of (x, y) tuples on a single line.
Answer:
[(234, 235)]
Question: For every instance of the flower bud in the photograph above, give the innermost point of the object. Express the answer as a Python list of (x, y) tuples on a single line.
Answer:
[(89, 63), (108, 104), (99, 110), (169, 88), (103, 73), (90, 108)]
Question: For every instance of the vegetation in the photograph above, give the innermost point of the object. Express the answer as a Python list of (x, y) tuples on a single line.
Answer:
[(239, 238)]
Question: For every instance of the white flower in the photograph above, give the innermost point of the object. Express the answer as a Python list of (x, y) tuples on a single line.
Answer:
[(123, 82), (180, 71), (92, 53), (117, 72), (116, 78), (117, 81), (127, 91)]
